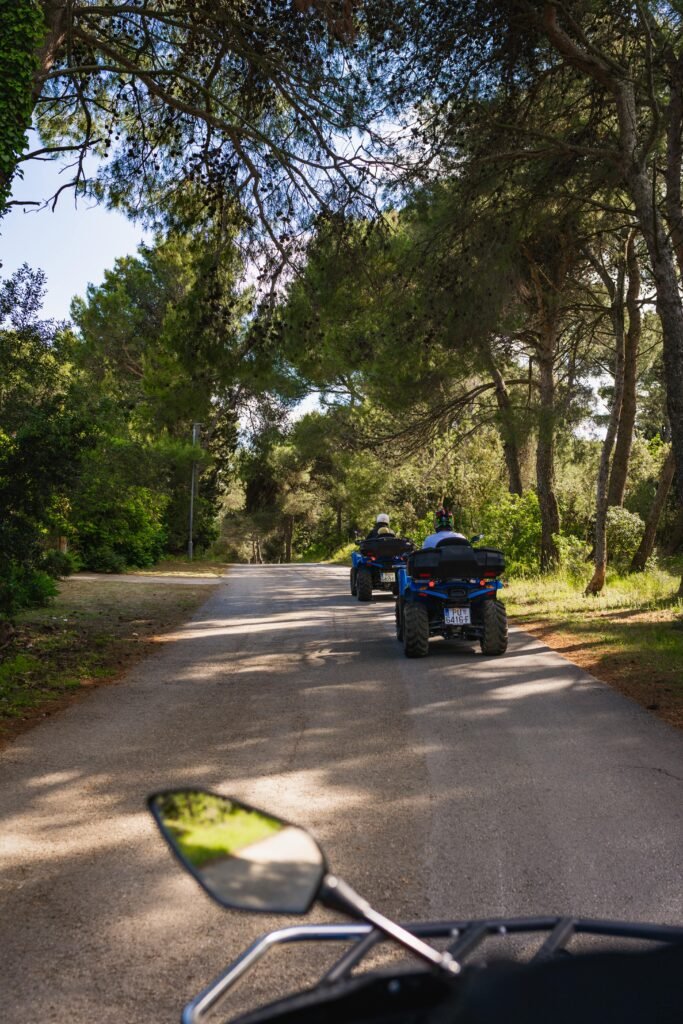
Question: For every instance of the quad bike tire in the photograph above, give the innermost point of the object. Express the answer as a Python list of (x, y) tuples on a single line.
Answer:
[(364, 585), (495, 638), (415, 622), (353, 582), (399, 620)]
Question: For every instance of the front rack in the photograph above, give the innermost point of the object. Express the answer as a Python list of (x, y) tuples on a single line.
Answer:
[(465, 937)]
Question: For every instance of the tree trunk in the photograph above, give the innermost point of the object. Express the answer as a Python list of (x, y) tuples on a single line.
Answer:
[(339, 523), (508, 429), (674, 541), (49, 44), (289, 530), (670, 311), (545, 461), (597, 581), (640, 183), (627, 419), (648, 540), (56, 14)]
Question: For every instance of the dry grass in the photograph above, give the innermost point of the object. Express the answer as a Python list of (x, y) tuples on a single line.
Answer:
[(183, 567), (92, 632)]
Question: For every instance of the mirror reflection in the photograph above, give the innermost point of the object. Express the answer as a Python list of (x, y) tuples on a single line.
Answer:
[(246, 859)]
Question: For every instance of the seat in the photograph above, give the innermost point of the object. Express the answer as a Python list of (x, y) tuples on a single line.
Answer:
[(384, 547), (451, 561)]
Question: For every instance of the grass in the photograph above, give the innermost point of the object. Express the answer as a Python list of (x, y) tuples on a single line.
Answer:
[(183, 567), (203, 843), (631, 636), (91, 633), (342, 556)]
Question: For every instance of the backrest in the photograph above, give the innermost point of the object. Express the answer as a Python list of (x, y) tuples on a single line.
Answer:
[(449, 562), (424, 562), (491, 561), (384, 547)]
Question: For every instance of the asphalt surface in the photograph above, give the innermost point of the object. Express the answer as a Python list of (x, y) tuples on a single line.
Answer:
[(457, 785)]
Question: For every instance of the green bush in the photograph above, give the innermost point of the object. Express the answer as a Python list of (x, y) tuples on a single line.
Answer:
[(624, 531), (59, 563), (22, 586), (573, 555), (116, 525), (513, 524)]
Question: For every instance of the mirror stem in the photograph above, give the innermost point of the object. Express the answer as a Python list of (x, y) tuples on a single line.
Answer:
[(335, 894)]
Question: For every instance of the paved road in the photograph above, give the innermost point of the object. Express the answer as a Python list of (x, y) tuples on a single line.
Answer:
[(458, 785)]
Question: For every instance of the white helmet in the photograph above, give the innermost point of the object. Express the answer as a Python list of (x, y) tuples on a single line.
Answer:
[(383, 518)]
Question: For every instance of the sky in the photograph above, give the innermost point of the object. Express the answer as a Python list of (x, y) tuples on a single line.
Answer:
[(74, 245)]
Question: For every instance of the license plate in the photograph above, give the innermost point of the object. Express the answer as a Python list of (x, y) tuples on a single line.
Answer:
[(457, 616), (387, 577)]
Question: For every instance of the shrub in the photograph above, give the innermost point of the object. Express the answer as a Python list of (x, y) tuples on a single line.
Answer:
[(573, 555), (624, 530), (114, 530), (513, 524), (22, 586), (104, 559), (59, 563)]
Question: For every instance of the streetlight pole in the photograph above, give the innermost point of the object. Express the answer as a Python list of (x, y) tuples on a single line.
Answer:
[(195, 439)]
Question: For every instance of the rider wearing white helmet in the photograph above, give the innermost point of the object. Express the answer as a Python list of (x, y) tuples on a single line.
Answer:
[(381, 527)]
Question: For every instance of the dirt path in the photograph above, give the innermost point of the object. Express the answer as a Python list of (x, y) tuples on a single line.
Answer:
[(458, 785)]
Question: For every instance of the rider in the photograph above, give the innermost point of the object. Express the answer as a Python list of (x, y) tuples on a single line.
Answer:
[(443, 528), (381, 522)]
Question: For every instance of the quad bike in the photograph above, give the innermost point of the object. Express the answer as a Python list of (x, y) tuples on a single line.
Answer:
[(451, 591), (375, 564), (246, 859)]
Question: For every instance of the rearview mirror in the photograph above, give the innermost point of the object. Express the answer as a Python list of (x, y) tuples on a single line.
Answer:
[(477, 537), (243, 858)]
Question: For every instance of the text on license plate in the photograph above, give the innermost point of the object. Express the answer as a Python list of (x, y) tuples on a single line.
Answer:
[(387, 577), (456, 616)]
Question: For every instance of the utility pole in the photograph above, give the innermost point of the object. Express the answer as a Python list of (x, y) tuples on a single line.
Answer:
[(195, 440)]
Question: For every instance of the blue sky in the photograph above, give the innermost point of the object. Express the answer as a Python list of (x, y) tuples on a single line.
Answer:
[(73, 245)]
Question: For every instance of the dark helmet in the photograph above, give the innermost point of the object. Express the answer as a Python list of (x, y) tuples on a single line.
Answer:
[(443, 520)]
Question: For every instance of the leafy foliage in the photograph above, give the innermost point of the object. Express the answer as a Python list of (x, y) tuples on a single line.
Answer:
[(21, 31), (43, 436)]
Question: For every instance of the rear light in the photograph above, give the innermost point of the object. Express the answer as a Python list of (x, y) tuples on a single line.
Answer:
[(431, 583), (490, 573)]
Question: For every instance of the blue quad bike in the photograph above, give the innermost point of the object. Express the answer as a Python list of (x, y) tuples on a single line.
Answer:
[(451, 591), (375, 564)]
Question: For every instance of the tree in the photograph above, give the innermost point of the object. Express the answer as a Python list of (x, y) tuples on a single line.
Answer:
[(241, 105), (44, 436), (162, 341), (599, 87)]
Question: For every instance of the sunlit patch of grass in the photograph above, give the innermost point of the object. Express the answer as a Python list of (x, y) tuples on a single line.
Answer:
[(560, 593), (631, 635), (342, 556), (183, 567)]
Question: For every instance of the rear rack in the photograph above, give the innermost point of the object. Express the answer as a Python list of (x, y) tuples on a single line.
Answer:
[(465, 937)]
